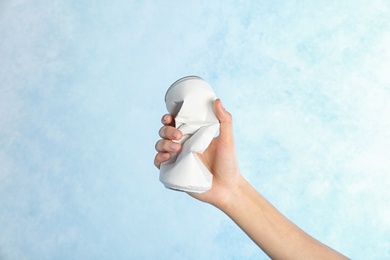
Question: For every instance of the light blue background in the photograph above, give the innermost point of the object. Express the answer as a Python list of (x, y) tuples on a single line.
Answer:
[(81, 96)]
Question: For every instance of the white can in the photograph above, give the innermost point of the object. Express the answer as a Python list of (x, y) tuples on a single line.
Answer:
[(191, 101)]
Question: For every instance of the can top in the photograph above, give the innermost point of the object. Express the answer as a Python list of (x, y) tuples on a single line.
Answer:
[(180, 80)]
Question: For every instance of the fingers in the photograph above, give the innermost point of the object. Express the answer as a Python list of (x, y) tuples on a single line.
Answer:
[(168, 120), (160, 158), (225, 119), (170, 132), (166, 145), (165, 148)]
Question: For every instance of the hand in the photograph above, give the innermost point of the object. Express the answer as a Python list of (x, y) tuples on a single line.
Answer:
[(219, 157), (278, 237)]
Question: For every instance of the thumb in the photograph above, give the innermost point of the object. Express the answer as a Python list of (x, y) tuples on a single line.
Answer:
[(225, 119)]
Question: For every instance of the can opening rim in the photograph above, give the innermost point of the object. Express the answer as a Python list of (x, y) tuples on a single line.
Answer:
[(180, 80)]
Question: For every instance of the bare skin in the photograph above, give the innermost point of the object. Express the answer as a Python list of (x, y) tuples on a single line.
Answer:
[(278, 237)]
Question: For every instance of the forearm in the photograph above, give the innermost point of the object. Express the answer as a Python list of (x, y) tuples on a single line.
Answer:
[(270, 230)]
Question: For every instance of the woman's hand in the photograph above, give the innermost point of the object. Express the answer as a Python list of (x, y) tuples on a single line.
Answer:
[(219, 157), (278, 237)]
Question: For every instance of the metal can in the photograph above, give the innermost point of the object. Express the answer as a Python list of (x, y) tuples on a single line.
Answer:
[(191, 101)]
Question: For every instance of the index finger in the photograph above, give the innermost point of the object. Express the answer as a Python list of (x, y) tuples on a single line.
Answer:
[(168, 120)]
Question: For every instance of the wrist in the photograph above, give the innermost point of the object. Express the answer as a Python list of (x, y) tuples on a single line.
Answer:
[(233, 195)]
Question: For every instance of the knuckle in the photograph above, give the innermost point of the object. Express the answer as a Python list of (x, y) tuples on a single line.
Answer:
[(156, 146), (167, 145), (156, 161), (162, 132), (165, 119), (161, 146)]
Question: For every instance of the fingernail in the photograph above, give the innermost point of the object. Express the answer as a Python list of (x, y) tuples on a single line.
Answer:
[(176, 134), (165, 118), (165, 155), (174, 146)]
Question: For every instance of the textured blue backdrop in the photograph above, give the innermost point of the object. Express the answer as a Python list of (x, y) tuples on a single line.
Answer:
[(81, 95)]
